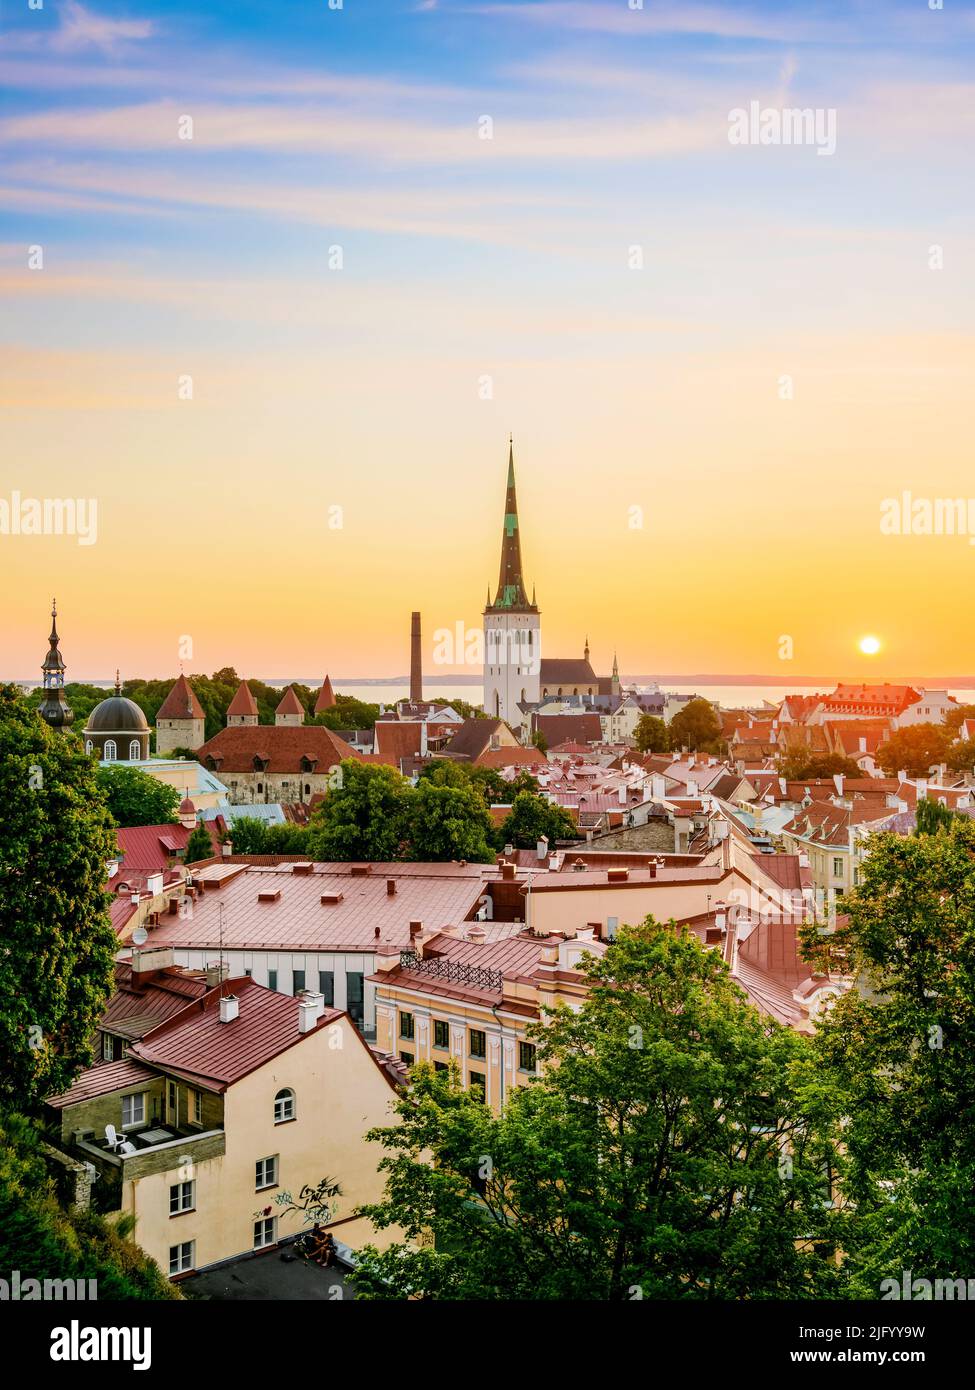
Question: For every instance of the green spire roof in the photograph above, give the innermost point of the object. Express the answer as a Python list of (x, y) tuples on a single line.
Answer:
[(511, 595)]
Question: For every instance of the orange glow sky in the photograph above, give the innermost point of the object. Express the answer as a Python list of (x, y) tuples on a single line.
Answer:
[(655, 389)]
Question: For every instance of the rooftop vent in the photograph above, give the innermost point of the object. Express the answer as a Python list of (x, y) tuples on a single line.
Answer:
[(360, 870), (618, 875), (390, 887), (330, 899), (301, 868), (269, 895)]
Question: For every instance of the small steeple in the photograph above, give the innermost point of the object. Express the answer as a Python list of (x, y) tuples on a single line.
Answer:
[(54, 707), (118, 682), (585, 650)]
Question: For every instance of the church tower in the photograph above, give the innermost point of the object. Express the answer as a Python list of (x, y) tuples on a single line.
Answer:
[(512, 625), (54, 707)]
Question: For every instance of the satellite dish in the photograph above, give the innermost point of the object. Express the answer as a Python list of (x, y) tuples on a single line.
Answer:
[(140, 936)]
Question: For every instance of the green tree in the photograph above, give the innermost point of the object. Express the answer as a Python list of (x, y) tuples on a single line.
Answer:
[(248, 835), (58, 947), (531, 817), (696, 727), (445, 823), (960, 756), (800, 765), (539, 741), (136, 798), (41, 1238), (899, 1053), (955, 717), (363, 818), (914, 750), (347, 713), (675, 1144), (933, 816), (199, 846), (444, 772), (652, 735)]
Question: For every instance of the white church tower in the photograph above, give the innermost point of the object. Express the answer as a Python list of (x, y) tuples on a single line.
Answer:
[(512, 626)]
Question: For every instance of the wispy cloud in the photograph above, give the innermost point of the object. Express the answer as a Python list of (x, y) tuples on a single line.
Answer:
[(82, 28)]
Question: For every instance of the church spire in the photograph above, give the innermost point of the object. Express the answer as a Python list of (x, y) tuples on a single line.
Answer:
[(511, 593), (54, 707)]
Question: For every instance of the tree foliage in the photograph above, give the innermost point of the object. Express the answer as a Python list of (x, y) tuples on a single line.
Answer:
[(135, 797), (199, 846), (43, 1240), (248, 835), (675, 1146), (448, 823), (651, 734), (914, 750), (531, 817), (899, 1053), (697, 727), (58, 947), (801, 765), (363, 818)]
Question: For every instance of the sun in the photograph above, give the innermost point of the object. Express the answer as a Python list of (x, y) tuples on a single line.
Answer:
[(870, 646)]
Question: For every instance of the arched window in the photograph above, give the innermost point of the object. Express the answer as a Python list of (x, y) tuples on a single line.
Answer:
[(135, 751), (88, 745), (307, 789), (110, 752), (284, 1106)]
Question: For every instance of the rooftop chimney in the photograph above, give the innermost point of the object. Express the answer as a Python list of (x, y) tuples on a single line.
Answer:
[(416, 662), (229, 1008), (390, 887), (215, 972), (311, 1006), (416, 929), (541, 848), (476, 934)]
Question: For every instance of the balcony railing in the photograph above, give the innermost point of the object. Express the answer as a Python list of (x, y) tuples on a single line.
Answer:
[(454, 972)]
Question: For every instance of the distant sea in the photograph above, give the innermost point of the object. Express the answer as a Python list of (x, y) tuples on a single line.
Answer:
[(729, 691)]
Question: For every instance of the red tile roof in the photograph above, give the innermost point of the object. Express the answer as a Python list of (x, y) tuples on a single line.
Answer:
[(281, 747), (243, 702), (555, 670), (395, 740), (181, 703), (512, 757), (326, 697), (290, 704), (568, 728)]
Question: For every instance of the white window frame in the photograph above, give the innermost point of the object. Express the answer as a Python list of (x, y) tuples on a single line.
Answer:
[(184, 1195), (197, 1107), (135, 750), (266, 1173), (108, 1048), (131, 1123), (265, 1232), (285, 1106), (182, 1257), (110, 751)]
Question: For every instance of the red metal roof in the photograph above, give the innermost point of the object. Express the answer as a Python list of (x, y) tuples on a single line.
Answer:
[(101, 1080), (197, 1043), (437, 894)]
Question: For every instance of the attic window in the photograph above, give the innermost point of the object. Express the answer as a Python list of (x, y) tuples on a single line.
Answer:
[(269, 895), (331, 899), (360, 870)]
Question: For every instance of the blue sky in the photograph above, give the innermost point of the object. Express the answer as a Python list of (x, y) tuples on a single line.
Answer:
[(466, 258)]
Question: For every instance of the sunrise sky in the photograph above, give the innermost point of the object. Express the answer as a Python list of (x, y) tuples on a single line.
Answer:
[(360, 388)]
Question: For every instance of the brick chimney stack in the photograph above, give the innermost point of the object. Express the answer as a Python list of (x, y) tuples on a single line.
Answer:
[(416, 662)]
